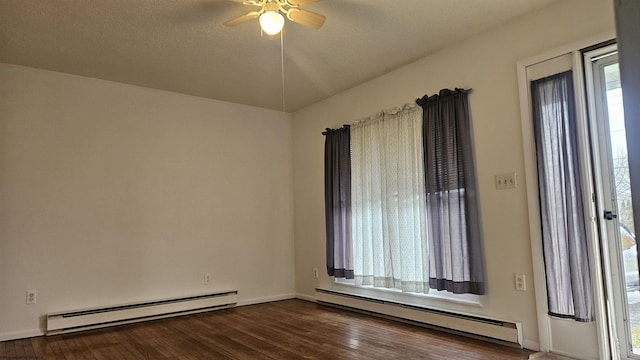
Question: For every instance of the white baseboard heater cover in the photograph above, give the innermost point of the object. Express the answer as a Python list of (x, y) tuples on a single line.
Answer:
[(478, 326), (78, 320)]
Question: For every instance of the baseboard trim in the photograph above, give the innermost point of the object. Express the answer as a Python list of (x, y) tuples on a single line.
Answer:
[(531, 345), (16, 335), (306, 297), (266, 299)]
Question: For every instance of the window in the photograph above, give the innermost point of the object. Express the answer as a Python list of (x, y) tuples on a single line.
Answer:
[(412, 218), (388, 209), (564, 239)]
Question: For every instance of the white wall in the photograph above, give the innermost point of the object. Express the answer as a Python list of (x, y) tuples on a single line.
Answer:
[(486, 63), (111, 193)]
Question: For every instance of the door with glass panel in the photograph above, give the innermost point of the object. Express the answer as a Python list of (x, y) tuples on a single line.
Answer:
[(562, 213), (617, 230)]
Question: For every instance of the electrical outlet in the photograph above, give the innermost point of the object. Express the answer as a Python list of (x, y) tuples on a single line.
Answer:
[(207, 278), (315, 273), (506, 181), (521, 283), (32, 297)]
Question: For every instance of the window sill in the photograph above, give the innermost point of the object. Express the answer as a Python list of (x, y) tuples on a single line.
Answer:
[(441, 297)]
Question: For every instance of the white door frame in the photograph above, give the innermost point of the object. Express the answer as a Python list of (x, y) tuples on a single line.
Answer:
[(600, 309), (609, 232)]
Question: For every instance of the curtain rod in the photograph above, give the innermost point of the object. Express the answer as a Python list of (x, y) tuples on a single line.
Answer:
[(420, 101), (328, 130), (442, 93)]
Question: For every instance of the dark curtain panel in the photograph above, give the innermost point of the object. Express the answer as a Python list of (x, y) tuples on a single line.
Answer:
[(561, 209), (337, 195), (455, 244)]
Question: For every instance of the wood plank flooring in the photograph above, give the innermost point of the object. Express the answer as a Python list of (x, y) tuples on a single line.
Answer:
[(290, 329)]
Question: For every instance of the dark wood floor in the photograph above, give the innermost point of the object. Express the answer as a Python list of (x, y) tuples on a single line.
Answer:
[(291, 329)]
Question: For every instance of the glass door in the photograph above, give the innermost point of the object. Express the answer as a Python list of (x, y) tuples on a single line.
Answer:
[(617, 229), (559, 323)]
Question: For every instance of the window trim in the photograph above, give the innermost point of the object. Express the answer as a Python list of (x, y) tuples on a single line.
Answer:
[(348, 285)]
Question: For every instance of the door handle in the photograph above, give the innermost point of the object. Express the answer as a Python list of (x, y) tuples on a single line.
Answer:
[(609, 215)]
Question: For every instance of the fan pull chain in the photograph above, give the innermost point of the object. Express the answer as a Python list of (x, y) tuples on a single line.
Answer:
[(282, 67)]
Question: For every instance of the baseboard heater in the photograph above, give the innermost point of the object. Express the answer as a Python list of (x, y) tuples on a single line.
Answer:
[(78, 320), (503, 331)]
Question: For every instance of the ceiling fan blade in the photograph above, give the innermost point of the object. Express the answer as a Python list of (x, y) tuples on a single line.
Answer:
[(239, 20), (302, 2), (307, 18), (249, 2)]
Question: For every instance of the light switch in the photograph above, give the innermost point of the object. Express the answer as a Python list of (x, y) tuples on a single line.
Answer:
[(506, 181)]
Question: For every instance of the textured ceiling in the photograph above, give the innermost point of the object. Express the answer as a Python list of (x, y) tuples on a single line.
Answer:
[(182, 46)]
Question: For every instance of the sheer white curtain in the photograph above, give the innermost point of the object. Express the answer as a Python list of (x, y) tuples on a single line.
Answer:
[(564, 236), (388, 201)]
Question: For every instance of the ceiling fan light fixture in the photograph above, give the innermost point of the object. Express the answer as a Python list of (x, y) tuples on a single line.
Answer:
[(271, 22)]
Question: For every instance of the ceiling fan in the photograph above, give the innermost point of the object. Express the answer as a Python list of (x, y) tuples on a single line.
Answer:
[(271, 21)]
